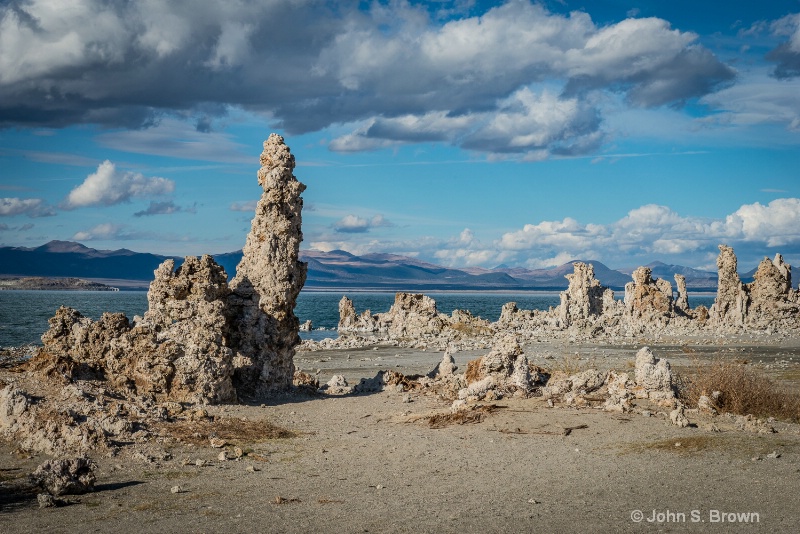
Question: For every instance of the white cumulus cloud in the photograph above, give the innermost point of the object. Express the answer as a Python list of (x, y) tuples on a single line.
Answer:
[(353, 224), (108, 186), (32, 207)]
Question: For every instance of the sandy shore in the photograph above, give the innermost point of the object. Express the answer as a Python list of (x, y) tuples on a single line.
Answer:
[(372, 463)]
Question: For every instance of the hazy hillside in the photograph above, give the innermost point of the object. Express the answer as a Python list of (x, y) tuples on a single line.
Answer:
[(326, 270)]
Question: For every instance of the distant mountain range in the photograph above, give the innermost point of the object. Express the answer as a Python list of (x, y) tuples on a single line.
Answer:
[(326, 270)]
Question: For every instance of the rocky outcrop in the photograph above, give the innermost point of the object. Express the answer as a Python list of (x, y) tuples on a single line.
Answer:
[(647, 298), (187, 309), (653, 376), (72, 476), (772, 297), (589, 311), (413, 315), (446, 367), (264, 328), (584, 297), (682, 301), (348, 318), (176, 353), (504, 371), (201, 341), (768, 300), (730, 306), (410, 316)]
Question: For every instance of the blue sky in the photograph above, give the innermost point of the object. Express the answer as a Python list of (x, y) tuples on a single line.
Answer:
[(462, 133)]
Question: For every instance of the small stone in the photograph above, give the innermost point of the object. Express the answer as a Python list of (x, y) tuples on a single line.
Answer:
[(252, 469), (550, 403), (222, 456), (46, 500), (218, 443), (646, 413), (406, 398), (238, 452), (774, 454), (200, 463), (678, 418), (677, 443), (177, 489), (533, 501), (379, 487)]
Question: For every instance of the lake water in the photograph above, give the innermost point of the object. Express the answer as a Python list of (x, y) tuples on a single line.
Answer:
[(24, 314)]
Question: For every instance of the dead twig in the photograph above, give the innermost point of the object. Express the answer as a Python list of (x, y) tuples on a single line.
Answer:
[(568, 430), (512, 431), (284, 500)]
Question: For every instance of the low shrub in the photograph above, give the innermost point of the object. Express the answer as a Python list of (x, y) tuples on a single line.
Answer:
[(743, 390)]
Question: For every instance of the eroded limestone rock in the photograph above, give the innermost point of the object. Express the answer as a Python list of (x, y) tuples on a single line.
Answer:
[(413, 315), (177, 353), (678, 418), (730, 306), (505, 370), (187, 307), (201, 341), (73, 476), (648, 298), (682, 302), (446, 367), (585, 297), (768, 300), (653, 377), (264, 328), (348, 318)]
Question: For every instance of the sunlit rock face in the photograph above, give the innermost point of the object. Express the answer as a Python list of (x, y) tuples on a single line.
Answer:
[(264, 328)]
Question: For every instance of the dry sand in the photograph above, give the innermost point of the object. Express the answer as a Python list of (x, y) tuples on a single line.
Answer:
[(372, 463)]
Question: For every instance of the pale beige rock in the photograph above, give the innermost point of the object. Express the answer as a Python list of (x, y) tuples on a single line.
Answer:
[(200, 341), (347, 315), (730, 306), (337, 385), (682, 301), (619, 396), (446, 367), (177, 353), (648, 298), (413, 315), (574, 385), (264, 329), (678, 418), (73, 476), (653, 376), (706, 405), (584, 297), (503, 371), (187, 307)]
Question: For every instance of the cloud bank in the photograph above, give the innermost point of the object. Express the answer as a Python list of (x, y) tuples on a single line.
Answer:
[(516, 79), (646, 233)]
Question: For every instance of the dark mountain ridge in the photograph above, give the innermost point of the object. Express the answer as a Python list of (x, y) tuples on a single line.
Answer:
[(336, 269)]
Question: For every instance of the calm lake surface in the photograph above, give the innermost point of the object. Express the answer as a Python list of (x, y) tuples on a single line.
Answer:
[(24, 314)]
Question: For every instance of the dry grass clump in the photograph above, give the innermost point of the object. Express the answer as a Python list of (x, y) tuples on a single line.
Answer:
[(473, 373), (474, 415), (470, 329), (231, 430), (744, 390), (571, 364)]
